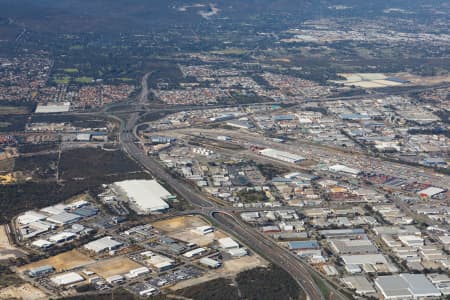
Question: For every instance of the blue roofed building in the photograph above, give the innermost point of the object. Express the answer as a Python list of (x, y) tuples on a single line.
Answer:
[(303, 245)]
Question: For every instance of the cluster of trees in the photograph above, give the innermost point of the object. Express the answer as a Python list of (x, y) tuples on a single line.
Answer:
[(255, 284)]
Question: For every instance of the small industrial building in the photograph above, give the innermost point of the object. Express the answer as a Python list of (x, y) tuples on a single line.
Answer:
[(116, 279), (303, 245), (359, 284), (83, 137), (203, 230), (210, 263), (344, 169), (228, 243), (42, 244), (238, 252), (104, 244), (146, 196), (430, 192), (66, 279), (195, 252), (240, 124), (282, 155), (137, 272), (40, 271), (159, 262), (342, 233), (62, 237), (406, 286)]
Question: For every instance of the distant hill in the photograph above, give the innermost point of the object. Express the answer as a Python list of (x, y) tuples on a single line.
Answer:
[(138, 15)]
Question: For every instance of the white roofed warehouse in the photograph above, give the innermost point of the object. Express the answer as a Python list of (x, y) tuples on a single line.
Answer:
[(104, 244), (66, 279), (145, 196), (282, 155)]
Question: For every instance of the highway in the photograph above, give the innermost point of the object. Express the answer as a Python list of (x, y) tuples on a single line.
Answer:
[(273, 252), (203, 206)]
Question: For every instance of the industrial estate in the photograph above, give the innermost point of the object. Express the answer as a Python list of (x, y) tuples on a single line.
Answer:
[(224, 150)]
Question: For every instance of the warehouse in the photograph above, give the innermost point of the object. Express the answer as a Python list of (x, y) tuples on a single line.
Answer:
[(145, 195), (348, 246), (62, 237), (116, 279), (30, 217), (86, 212), (39, 271), (238, 252), (103, 244), (54, 209), (345, 170), (228, 243), (303, 245), (372, 259), (194, 252), (137, 272), (203, 230), (430, 192), (360, 284), (210, 263), (412, 241), (42, 244), (341, 233), (83, 137), (52, 108), (159, 262), (240, 124), (64, 218), (66, 279), (283, 156), (406, 286)]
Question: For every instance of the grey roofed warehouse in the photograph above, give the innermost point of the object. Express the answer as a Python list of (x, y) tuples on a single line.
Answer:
[(406, 286)]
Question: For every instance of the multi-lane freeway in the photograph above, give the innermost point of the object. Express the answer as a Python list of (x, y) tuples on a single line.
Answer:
[(225, 220)]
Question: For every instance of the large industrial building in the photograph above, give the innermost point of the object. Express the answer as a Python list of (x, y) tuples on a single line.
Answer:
[(104, 244), (283, 156), (146, 196), (406, 286), (53, 108)]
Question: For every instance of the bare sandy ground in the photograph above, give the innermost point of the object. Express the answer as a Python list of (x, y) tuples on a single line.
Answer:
[(230, 269), (25, 291), (62, 262), (8, 251)]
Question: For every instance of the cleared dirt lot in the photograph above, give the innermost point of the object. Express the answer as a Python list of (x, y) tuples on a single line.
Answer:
[(189, 236), (8, 251), (181, 228), (230, 269), (25, 291), (114, 266), (179, 223), (62, 262)]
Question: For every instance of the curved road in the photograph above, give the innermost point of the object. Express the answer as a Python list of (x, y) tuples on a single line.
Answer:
[(225, 220)]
